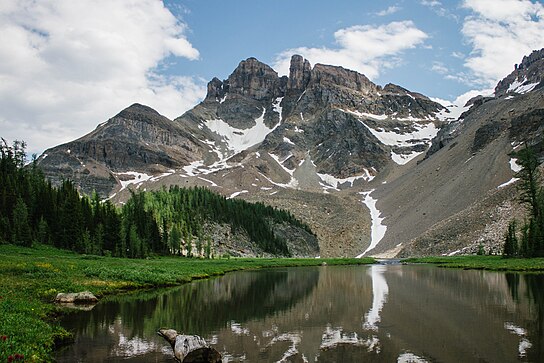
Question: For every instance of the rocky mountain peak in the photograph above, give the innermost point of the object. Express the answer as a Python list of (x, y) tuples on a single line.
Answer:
[(139, 112), (527, 76), (340, 76), (216, 90), (398, 90), (299, 74), (254, 79)]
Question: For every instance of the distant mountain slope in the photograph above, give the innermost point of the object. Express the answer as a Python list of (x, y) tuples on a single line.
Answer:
[(464, 187), (327, 144)]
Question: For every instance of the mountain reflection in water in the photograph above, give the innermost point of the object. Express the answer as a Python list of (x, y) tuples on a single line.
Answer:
[(377, 313)]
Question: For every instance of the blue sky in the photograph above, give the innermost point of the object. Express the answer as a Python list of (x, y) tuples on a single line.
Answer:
[(227, 32), (66, 66)]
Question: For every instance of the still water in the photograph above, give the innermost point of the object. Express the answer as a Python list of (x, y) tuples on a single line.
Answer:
[(379, 313)]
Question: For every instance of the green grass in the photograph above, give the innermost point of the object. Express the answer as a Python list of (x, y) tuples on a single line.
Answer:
[(495, 263), (30, 278)]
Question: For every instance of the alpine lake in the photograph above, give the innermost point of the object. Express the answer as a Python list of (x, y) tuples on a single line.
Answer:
[(375, 313)]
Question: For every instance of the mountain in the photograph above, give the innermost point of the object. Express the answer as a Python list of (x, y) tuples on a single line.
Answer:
[(327, 144), (469, 169)]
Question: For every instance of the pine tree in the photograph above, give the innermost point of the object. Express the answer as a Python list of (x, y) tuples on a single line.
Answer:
[(21, 229), (208, 249), (511, 241), (175, 240)]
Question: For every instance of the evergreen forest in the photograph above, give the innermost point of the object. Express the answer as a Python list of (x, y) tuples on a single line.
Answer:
[(165, 222)]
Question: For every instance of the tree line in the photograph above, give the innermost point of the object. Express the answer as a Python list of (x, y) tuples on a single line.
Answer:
[(527, 239), (165, 222)]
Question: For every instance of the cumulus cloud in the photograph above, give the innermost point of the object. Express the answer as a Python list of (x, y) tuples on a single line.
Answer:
[(67, 65), (500, 34), (364, 48)]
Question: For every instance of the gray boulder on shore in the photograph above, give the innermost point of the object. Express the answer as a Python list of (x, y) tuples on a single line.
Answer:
[(84, 297)]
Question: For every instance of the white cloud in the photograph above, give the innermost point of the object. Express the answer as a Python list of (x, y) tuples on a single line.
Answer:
[(431, 3), (440, 68), (501, 33), (390, 10), (364, 48), (438, 8), (458, 55), (67, 65)]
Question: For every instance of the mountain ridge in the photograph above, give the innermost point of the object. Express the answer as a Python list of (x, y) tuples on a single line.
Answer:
[(311, 141)]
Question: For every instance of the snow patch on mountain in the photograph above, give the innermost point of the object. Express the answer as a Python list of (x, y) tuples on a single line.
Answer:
[(277, 107), (288, 141), (137, 178), (521, 87), (280, 162), (377, 228), (402, 159), (366, 115), (235, 194), (293, 183), (224, 98), (515, 167), (335, 182), (423, 135), (238, 140)]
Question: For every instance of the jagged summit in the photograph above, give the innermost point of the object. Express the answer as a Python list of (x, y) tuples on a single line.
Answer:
[(252, 79), (527, 76), (299, 74)]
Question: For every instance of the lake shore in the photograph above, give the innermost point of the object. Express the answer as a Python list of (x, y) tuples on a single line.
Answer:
[(30, 279), (491, 263)]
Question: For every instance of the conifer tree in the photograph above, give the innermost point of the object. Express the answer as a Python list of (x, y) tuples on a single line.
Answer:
[(511, 241), (21, 229)]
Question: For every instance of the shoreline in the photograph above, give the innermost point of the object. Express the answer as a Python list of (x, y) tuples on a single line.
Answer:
[(476, 262), (30, 278)]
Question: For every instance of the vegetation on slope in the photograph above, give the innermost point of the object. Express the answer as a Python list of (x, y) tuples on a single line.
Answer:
[(163, 222), (30, 278), (529, 241)]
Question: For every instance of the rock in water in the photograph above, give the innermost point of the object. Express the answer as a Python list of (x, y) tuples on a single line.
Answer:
[(190, 348), (85, 297)]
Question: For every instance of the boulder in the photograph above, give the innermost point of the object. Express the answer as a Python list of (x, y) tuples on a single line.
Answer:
[(84, 297), (190, 348)]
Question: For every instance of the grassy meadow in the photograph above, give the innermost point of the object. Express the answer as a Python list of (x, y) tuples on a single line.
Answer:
[(493, 263), (30, 279)]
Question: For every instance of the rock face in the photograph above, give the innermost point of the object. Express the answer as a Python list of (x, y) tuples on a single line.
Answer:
[(138, 138), (528, 75), (313, 142)]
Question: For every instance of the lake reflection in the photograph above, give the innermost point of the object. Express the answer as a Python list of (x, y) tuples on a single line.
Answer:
[(380, 313)]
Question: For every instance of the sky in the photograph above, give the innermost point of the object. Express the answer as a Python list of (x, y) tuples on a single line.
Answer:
[(66, 66)]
